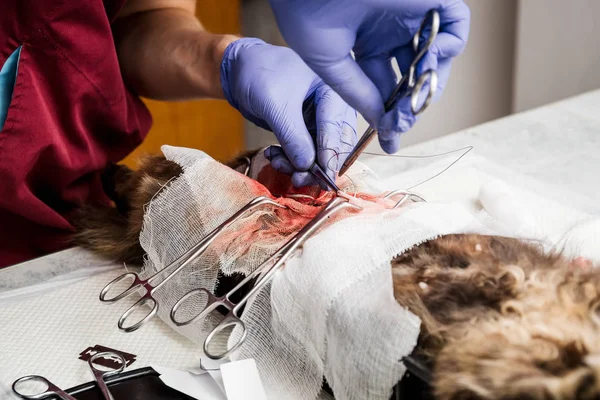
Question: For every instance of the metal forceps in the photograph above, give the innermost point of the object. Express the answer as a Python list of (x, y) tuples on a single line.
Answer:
[(321, 175), (53, 391), (264, 273), (408, 86), (406, 196), (150, 284), (317, 171)]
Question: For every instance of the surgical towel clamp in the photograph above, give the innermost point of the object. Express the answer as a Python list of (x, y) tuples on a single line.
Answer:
[(148, 284), (53, 391), (406, 87), (264, 273)]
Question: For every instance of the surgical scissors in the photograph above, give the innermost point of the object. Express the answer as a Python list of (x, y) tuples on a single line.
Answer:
[(149, 284), (53, 391), (406, 87), (263, 274)]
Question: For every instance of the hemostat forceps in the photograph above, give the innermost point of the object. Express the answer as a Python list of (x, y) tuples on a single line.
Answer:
[(408, 86), (321, 175), (317, 171), (150, 285), (406, 196), (264, 273), (100, 375), (53, 391)]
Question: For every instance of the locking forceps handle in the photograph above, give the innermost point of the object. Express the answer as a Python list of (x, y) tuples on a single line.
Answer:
[(51, 389), (266, 273), (184, 259), (100, 375), (406, 86), (135, 285), (213, 302)]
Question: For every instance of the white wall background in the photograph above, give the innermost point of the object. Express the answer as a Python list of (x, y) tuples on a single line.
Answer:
[(521, 54), (557, 51), (479, 87)]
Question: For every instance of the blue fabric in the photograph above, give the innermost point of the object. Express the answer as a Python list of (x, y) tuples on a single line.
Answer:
[(8, 75)]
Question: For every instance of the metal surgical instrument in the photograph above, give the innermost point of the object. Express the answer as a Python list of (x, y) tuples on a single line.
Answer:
[(317, 171), (150, 285), (408, 86), (263, 273), (320, 174), (100, 375), (53, 391), (406, 196)]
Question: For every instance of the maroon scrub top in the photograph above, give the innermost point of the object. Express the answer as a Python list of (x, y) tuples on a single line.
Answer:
[(70, 115)]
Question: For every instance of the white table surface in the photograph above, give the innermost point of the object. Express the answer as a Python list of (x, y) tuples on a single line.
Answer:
[(557, 145)]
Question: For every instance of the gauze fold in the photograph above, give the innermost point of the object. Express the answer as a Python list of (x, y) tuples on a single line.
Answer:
[(330, 312)]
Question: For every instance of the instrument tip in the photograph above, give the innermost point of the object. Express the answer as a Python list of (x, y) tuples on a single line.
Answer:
[(344, 168)]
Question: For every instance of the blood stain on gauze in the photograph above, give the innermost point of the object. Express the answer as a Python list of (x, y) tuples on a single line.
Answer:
[(211, 192), (208, 192), (270, 228), (280, 186)]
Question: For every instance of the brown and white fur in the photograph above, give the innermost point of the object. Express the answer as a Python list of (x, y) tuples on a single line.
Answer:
[(501, 319)]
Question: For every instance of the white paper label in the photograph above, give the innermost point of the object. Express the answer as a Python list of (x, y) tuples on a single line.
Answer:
[(242, 381), (200, 386), (213, 367)]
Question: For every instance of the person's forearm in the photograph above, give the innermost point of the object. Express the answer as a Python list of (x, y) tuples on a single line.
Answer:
[(167, 55)]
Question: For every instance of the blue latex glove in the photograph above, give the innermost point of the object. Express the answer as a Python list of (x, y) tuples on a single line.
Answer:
[(273, 88), (323, 32)]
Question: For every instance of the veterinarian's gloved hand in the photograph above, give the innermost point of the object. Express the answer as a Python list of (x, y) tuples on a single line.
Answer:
[(272, 87), (323, 32)]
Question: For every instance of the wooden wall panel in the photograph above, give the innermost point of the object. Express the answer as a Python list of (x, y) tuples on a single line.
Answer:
[(210, 125)]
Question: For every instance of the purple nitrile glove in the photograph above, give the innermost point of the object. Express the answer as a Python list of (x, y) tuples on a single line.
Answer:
[(272, 87), (323, 32)]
